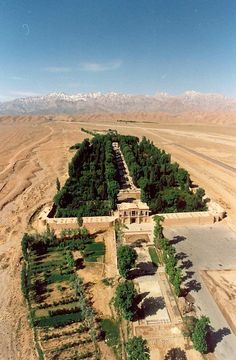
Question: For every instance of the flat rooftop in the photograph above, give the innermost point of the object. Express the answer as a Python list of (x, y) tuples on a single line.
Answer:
[(136, 205)]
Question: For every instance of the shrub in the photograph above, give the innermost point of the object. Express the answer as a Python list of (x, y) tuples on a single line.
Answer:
[(199, 335), (136, 349)]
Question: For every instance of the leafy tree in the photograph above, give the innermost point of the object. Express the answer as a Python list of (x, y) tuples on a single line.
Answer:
[(25, 244), (126, 257), (200, 193), (24, 281), (58, 185), (158, 230), (80, 221), (177, 280), (183, 178), (137, 349), (48, 237), (70, 260), (124, 299), (199, 335)]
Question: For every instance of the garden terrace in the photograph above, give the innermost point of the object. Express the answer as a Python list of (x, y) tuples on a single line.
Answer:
[(63, 319), (92, 186), (165, 186), (108, 164)]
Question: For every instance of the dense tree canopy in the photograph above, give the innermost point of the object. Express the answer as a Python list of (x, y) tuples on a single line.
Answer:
[(92, 186), (126, 257), (124, 299), (164, 185), (93, 183)]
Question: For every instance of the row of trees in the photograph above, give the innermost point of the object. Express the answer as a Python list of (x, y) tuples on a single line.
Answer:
[(111, 173), (125, 291), (164, 185), (92, 186), (125, 296), (195, 329), (86, 310), (168, 254)]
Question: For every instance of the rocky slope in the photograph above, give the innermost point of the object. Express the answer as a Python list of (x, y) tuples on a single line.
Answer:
[(114, 102)]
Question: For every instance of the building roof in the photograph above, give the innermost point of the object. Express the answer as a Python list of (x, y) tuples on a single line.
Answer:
[(136, 205)]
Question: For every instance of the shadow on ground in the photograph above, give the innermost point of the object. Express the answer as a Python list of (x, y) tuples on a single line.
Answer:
[(140, 297), (149, 306), (176, 239), (142, 269), (190, 284), (175, 354), (215, 337)]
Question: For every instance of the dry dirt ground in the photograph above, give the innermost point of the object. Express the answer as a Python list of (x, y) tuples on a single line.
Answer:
[(222, 285), (34, 152)]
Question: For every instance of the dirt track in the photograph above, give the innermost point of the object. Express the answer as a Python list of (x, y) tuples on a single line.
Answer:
[(34, 152)]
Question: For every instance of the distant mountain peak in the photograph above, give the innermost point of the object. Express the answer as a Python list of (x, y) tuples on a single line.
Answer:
[(116, 102)]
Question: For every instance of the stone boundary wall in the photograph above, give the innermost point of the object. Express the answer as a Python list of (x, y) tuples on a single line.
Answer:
[(93, 223), (193, 218), (96, 223), (214, 213)]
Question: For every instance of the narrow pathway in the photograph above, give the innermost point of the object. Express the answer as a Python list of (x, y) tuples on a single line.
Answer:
[(126, 180)]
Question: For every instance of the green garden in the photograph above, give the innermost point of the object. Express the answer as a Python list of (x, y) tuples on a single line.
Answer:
[(60, 312), (93, 183)]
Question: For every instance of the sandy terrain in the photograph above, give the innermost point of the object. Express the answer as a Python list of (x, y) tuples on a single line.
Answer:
[(222, 285), (34, 152)]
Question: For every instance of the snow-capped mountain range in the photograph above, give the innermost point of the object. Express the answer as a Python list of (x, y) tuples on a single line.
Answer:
[(115, 102)]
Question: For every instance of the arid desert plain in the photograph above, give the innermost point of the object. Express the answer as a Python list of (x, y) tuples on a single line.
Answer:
[(34, 151)]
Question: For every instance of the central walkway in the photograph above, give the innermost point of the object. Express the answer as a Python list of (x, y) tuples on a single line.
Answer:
[(128, 191), (152, 303)]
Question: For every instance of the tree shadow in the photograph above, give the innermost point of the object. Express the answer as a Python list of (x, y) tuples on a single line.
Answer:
[(142, 269), (175, 354), (181, 256), (215, 337), (188, 275), (177, 238), (79, 264), (186, 264), (98, 232), (88, 285), (193, 285), (139, 243), (150, 306), (140, 297)]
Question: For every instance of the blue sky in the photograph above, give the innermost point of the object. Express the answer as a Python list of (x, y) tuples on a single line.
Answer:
[(129, 46)]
